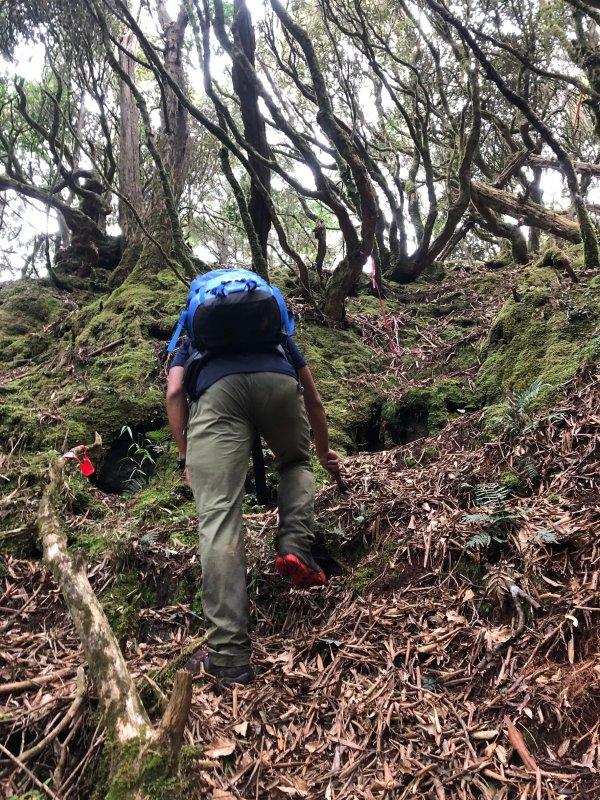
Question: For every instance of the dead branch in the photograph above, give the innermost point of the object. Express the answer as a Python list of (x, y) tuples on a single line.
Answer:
[(116, 691), (72, 712), (516, 739), (28, 772)]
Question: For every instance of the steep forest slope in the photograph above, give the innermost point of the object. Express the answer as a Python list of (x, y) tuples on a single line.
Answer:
[(464, 556)]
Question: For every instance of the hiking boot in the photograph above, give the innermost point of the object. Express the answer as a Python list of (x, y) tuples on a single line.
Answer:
[(303, 575), (200, 662)]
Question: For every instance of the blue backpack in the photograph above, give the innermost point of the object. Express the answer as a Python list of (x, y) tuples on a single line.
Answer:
[(233, 311)]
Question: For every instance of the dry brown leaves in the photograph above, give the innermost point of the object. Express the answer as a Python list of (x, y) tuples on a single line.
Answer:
[(429, 684)]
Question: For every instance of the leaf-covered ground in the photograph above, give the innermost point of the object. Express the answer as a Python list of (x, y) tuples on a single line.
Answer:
[(466, 600)]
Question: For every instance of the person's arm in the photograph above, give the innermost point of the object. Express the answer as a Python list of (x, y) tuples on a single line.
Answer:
[(177, 408), (318, 422)]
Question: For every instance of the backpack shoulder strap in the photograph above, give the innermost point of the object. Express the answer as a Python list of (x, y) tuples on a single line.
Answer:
[(287, 318), (192, 366), (284, 349), (177, 331)]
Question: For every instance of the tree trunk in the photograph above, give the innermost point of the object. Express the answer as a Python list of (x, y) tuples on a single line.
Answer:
[(170, 150), (497, 226), (254, 125), (341, 284), (527, 212), (130, 184), (174, 139)]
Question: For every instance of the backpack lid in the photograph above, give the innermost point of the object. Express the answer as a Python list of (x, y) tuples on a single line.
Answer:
[(222, 282)]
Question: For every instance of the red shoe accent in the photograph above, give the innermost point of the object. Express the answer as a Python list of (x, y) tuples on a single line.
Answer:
[(301, 574)]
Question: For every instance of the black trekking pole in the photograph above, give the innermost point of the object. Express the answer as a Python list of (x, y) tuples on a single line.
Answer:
[(260, 477)]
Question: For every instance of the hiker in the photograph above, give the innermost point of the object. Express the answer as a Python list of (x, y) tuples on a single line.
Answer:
[(239, 374)]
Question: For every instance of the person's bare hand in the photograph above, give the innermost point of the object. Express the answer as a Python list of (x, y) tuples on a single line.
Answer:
[(331, 460)]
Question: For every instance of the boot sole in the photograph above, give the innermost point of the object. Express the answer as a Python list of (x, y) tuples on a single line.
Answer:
[(199, 664), (303, 577)]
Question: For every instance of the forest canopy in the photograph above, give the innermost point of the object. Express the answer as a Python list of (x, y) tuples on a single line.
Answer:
[(308, 137)]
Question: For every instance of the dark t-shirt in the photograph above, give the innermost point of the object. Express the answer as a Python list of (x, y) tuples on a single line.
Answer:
[(218, 367)]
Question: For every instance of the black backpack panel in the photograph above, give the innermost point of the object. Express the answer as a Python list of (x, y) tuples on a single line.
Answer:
[(237, 322)]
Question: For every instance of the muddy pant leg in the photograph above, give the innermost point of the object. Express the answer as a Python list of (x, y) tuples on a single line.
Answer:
[(219, 440), (280, 417)]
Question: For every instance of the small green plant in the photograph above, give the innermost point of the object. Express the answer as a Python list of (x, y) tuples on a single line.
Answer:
[(519, 405), (148, 539), (496, 521), (361, 578), (545, 536), (485, 608), (139, 455), (362, 514), (574, 312), (511, 481)]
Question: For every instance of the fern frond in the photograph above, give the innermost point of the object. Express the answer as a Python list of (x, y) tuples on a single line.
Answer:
[(491, 494), (529, 468), (481, 539), (468, 518), (546, 536), (498, 579)]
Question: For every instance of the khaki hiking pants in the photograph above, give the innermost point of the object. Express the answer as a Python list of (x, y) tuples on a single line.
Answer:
[(222, 426)]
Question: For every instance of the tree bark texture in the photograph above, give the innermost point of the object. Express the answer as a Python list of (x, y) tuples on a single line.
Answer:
[(174, 140), (130, 183), (526, 211), (254, 124)]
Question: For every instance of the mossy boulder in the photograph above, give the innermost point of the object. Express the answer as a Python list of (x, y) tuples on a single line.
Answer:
[(424, 411), (27, 308), (108, 375), (545, 334)]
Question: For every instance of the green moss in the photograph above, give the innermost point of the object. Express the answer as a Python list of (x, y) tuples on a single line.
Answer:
[(122, 385), (360, 579), (166, 501), (430, 453), (151, 774), (26, 309), (435, 273), (538, 338), (94, 542), (196, 604), (81, 499), (122, 602), (510, 481), (554, 498), (335, 357), (424, 411)]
